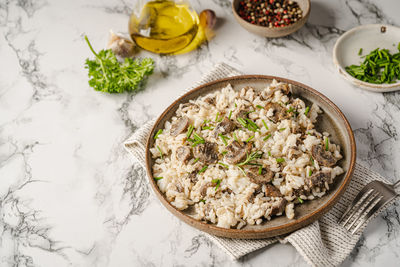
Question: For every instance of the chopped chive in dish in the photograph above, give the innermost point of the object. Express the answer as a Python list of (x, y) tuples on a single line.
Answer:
[(280, 160), (300, 200), (159, 150), (189, 131), (249, 139), (378, 67), (265, 124), (306, 111), (203, 169), (223, 165), (267, 137), (217, 182), (158, 133), (326, 143), (158, 178)]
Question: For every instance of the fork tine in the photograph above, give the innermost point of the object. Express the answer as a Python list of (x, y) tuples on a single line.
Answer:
[(355, 204), (355, 201), (373, 198), (382, 202)]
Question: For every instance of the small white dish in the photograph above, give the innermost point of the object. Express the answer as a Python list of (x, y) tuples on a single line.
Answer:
[(367, 37)]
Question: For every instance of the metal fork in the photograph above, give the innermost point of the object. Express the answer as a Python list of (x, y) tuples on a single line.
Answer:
[(373, 196)]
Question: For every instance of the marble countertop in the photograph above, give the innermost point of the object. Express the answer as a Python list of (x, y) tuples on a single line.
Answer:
[(69, 193)]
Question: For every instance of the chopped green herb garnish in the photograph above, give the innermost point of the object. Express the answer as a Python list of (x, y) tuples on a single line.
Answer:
[(282, 129), (360, 51), (248, 139), (310, 172), (217, 182), (223, 165), (306, 111), (267, 137), (230, 114), (326, 143), (198, 137), (224, 152), (202, 200), (269, 153), (265, 124), (242, 122), (251, 157), (235, 137), (189, 131), (251, 125), (196, 160), (291, 109), (216, 117), (260, 107), (207, 128), (203, 169), (312, 160), (235, 105), (300, 200), (223, 138), (158, 133), (280, 160), (260, 170), (158, 178), (159, 150)]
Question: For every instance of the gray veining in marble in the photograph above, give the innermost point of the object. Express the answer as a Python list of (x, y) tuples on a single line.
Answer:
[(71, 196)]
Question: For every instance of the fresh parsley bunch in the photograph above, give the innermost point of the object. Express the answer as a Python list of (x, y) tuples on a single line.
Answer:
[(108, 75)]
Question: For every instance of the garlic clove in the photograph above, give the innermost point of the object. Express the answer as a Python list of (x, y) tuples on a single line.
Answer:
[(121, 46), (208, 19)]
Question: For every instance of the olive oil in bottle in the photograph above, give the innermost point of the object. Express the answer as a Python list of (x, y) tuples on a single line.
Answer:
[(164, 26)]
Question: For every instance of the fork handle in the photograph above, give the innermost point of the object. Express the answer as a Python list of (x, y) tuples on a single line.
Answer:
[(396, 184)]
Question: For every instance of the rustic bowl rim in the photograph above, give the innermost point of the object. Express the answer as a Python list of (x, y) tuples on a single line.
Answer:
[(271, 231), (273, 29), (341, 69)]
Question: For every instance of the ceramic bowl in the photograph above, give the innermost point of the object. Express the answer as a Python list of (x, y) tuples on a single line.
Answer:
[(331, 120), (273, 32), (367, 37)]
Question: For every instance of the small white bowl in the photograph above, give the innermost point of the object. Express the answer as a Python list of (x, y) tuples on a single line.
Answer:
[(367, 37)]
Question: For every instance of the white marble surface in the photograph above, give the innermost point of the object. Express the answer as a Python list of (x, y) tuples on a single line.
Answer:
[(69, 194)]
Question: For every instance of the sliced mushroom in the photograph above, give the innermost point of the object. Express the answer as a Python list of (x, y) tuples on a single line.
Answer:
[(318, 179), (179, 126), (193, 177), (279, 112), (272, 191), (284, 87), (257, 178), (279, 207), (203, 189), (179, 187), (255, 193), (324, 158), (207, 152), (302, 191), (237, 152), (183, 153), (210, 100), (224, 127)]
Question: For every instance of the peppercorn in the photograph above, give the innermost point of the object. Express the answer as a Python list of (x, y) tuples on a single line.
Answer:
[(270, 13)]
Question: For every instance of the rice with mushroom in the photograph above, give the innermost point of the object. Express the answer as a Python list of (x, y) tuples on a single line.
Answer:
[(242, 157)]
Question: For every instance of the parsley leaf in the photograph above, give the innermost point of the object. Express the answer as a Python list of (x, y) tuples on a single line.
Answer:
[(107, 74)]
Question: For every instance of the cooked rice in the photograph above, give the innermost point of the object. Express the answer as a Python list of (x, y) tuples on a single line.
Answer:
[(228, 197)]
